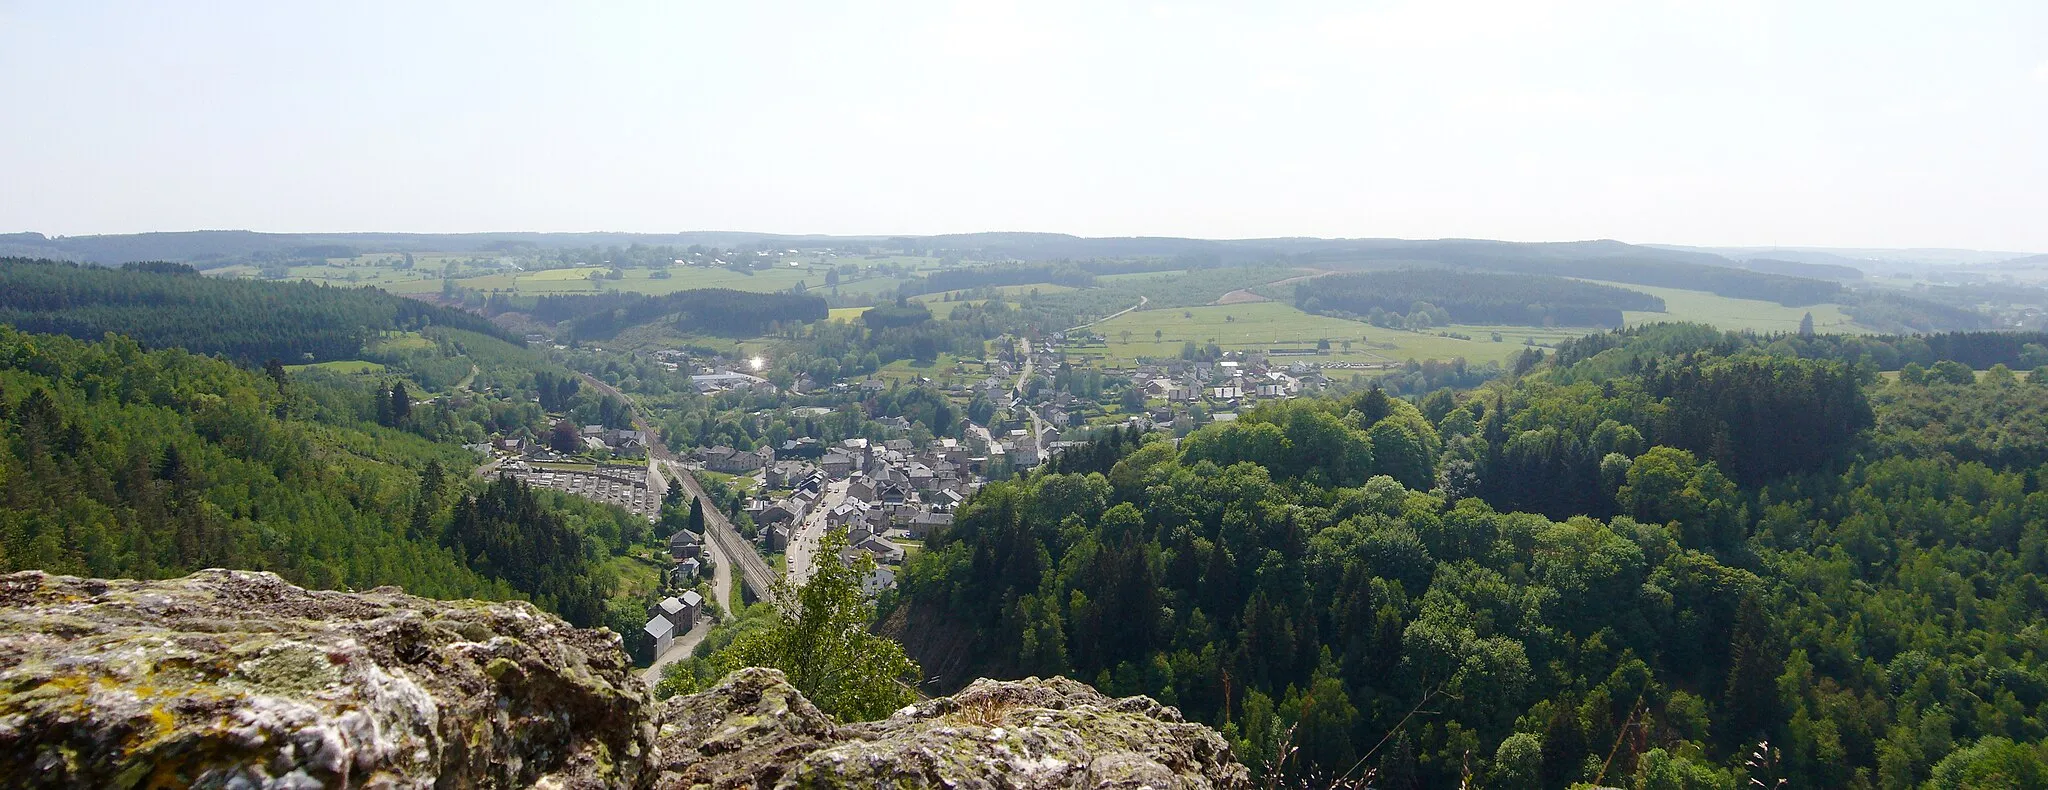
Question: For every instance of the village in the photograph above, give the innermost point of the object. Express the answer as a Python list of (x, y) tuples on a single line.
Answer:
[(887, 495)]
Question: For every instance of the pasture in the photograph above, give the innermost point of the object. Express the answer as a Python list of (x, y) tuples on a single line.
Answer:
[(1263, 326), (946, 368), (1729, 313), (352, 367), (680, 278)]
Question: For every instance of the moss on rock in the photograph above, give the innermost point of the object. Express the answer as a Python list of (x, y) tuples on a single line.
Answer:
[(229, 678)]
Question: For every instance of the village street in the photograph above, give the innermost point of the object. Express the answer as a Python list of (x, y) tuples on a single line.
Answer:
[(803, 545)]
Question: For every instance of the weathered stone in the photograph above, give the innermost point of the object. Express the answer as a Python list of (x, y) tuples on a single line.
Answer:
[(754, 730), (239, 679), (231, 679)]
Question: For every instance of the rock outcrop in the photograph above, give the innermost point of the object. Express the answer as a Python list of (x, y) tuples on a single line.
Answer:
[(239, 679), (754, 730)]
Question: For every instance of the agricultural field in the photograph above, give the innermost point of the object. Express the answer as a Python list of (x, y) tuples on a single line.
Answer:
[(680, 278), (1133, 277), (945, 368), (354, 367), (942, 309), (383, 270), (1729, 313), (1262, 326)]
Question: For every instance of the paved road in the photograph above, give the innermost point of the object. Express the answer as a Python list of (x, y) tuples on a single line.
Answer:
[(1024, 375), (803, 546)]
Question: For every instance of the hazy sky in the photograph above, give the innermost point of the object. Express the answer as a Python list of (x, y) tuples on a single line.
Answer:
[(1862, 122)]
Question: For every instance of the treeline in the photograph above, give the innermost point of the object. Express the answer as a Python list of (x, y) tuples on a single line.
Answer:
[(1002, 274), (121, 462), (891, 316), (245, 320), (1894, 312), (1814, 271), (1474, 297), (1624, 351), (715, 311), (1749, 570), (1596, 261)]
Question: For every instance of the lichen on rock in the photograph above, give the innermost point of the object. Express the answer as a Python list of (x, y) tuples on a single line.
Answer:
[(233, 679), (239, 679), (754, 730)]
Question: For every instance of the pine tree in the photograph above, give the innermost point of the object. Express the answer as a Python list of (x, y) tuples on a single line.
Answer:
[(401, 405)]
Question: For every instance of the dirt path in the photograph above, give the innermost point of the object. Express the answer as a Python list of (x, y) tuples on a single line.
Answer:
[(1245, 295), (1142, 301)]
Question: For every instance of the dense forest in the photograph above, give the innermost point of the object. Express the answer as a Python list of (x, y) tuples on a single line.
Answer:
[(1002, 274), (1895, 312), (1474, 297), (1628, 349), (715, 311), (244, 320), (1673, 557), (1609, 261), (116, 461)]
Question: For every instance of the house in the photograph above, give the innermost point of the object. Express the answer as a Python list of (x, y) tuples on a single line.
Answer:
[(924, 524), (685, 545), (721, 382), (836, 463), (785, 474), (882, 579), (732, 461), (783, 512), (685, 571), (846, 514), (671, 618), (883, 552)]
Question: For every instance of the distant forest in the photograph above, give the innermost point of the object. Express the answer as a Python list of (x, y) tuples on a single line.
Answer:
[(1475, 297), (166, 306), (716, 311), (1611, 261)]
